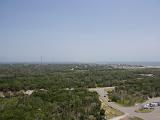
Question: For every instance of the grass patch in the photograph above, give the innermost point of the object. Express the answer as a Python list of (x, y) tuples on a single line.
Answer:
[(144, 110), (135, 118), (109, 111)]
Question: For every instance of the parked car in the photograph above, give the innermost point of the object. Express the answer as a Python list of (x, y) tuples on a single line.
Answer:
[(158, 103), (154, 104)]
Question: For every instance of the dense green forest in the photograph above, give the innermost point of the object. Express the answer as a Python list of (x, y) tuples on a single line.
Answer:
[(52, 105), (137, 90), (17, 77), (65, 94)]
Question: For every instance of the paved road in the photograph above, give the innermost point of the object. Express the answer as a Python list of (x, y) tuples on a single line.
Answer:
[(119, 117), (130, 111)]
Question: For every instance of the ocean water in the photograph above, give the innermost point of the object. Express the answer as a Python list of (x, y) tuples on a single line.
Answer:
[(136, 63)]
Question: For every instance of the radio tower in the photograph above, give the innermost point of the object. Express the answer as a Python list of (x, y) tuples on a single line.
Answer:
[(41, 60)]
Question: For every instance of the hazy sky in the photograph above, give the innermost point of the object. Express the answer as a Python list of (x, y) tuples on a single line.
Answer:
[(79, 30)]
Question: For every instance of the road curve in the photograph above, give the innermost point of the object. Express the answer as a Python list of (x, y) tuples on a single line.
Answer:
[(119, 117), (129, 111), (104, 96)]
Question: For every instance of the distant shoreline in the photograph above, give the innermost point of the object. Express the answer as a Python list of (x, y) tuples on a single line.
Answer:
[(132, 64)]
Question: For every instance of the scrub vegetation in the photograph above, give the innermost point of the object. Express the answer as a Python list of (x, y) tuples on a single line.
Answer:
[(65, 94)]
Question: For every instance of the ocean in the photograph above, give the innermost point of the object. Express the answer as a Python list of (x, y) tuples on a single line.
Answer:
[(135, 63)]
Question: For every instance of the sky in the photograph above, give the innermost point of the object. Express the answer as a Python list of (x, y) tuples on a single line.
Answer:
[(79, 30)]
